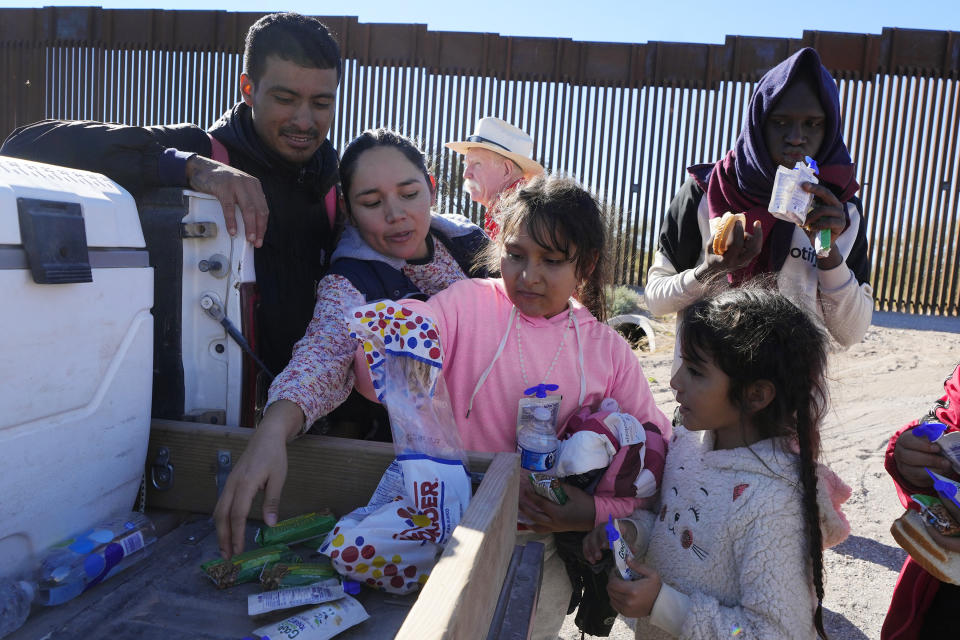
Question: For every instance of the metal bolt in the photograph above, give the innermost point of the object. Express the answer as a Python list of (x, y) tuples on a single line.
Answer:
[(210, 265)]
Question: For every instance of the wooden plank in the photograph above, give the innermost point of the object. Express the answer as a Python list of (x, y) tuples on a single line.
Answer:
[(321, 471), (461, 595)]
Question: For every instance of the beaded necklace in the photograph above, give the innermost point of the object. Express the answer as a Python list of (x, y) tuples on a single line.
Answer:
[(556, 356)]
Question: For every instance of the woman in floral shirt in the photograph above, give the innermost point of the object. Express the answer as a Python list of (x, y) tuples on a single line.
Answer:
[(392, 247)]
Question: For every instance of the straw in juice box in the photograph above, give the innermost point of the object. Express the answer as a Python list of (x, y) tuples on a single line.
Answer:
[(297, 529), (246, 567)]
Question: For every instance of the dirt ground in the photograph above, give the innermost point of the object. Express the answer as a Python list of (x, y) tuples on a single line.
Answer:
[(876, 386)]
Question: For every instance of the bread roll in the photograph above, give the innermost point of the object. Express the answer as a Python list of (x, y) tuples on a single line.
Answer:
[(723, 231), (911, 533)]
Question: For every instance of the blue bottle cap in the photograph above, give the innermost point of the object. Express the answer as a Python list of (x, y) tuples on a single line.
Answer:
[(612, 534), (351, 586), (930, 430), (812, 164), (540, 391)]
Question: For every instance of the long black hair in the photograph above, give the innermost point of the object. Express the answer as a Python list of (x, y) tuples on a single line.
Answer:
[(755, 333), (559, 214)]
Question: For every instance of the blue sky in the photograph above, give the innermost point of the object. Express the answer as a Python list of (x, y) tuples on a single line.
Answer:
[(605, 20)]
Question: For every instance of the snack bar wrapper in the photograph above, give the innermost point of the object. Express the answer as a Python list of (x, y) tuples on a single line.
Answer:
[(393, 542)]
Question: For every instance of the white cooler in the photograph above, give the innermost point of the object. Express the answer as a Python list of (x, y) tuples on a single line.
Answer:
[(76, 354)]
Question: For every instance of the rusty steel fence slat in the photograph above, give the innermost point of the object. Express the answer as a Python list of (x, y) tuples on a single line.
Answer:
[(626, 119)]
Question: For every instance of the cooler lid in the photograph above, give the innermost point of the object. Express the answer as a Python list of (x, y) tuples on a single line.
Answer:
[(109, 211)]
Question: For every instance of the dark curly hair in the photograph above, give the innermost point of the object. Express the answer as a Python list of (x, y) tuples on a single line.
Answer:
[(559, 214), (755, 333), (290, 36)]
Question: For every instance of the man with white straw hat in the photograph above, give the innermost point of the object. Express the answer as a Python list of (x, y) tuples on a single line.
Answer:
[(498, 157)]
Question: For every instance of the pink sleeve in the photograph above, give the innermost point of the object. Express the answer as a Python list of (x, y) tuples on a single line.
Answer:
[(619, 507)]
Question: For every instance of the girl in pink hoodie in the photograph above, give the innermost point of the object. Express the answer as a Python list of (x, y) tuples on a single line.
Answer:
[(505, 338)]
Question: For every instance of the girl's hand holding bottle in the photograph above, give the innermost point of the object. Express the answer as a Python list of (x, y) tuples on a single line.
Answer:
[(634, 598), (544, 516)]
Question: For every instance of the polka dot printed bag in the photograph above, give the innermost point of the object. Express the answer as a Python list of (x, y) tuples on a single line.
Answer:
[(393, 542)]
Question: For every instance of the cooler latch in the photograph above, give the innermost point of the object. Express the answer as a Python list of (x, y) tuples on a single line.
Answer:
[(161, 472), (54, 240)]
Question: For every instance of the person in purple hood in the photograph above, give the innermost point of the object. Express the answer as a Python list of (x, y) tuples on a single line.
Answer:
[(794, 112)]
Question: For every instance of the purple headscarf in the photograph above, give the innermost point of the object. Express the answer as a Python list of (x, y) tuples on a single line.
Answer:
[(743, 179)]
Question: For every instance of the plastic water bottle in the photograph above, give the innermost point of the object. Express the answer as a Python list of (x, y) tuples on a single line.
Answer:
[(93, 556), (537, 442), (15, 599)]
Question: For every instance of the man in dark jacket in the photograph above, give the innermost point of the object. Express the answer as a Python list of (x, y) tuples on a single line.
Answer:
[(279, 160)]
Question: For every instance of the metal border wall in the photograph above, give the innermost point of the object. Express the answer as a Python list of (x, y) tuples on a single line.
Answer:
[(626, 119)]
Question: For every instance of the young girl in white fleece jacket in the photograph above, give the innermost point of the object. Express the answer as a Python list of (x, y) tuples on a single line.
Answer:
[(735, 550)]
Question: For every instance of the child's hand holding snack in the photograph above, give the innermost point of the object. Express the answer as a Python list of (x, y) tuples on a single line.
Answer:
[(740, 247), (634, 598), (545, 516), (914, 454)]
